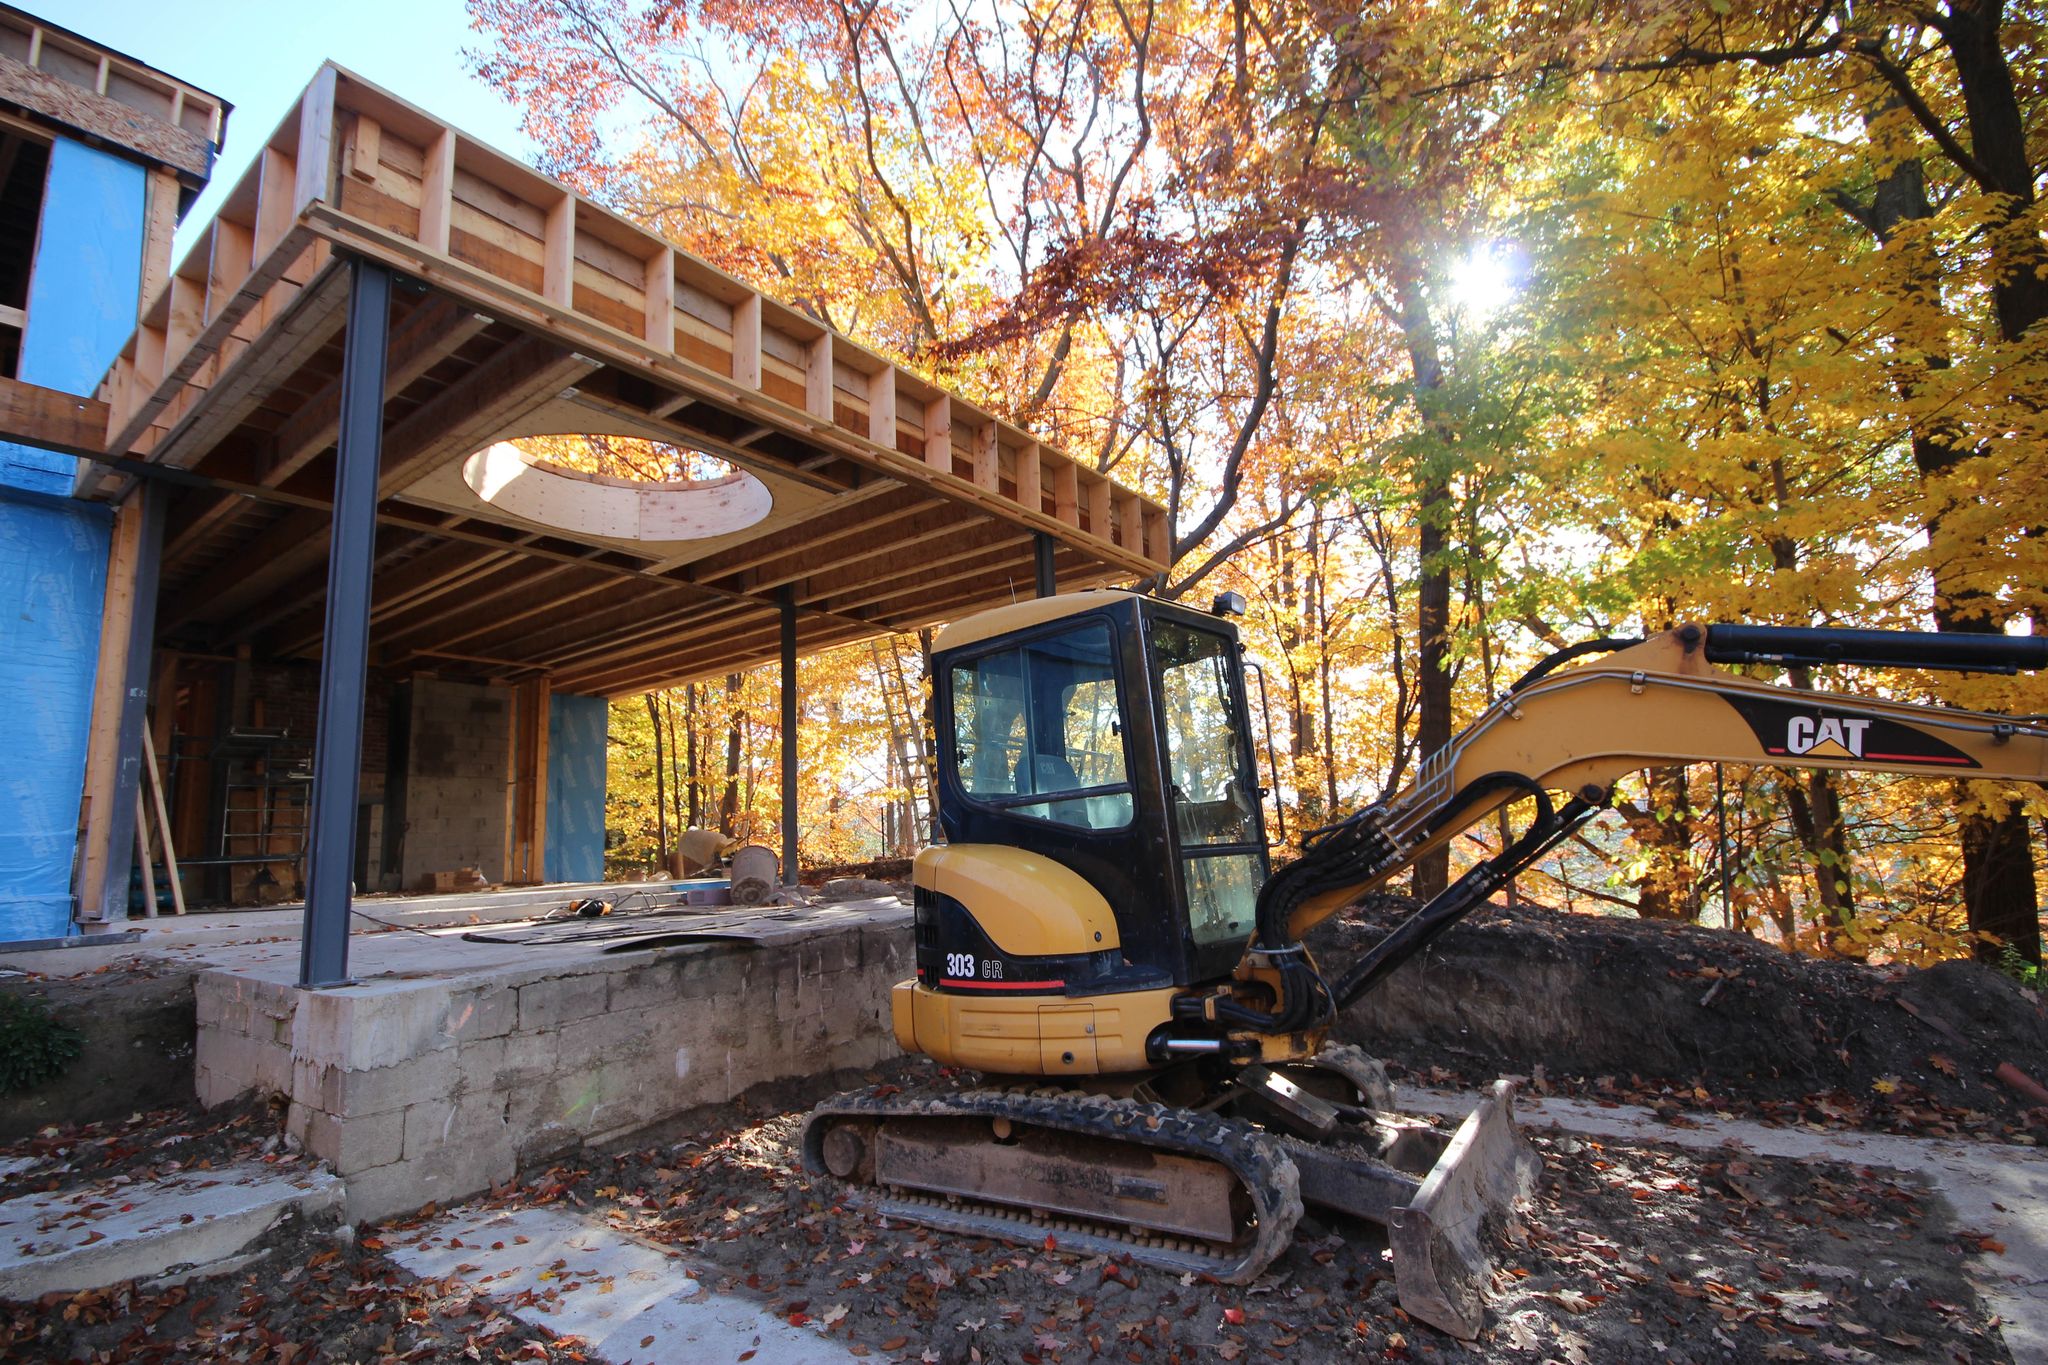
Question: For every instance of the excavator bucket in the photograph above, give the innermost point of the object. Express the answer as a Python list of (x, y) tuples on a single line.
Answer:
[(1441, 1267)]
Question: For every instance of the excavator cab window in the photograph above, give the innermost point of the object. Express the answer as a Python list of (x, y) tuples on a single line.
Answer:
[(1212, 784), (1042, 720)]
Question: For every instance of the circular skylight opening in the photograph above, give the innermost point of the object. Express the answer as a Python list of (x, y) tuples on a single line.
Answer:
[(617, 487)]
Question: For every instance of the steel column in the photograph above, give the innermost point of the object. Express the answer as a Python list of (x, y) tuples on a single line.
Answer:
[(345, 646), (1041, 553), (786, 598)]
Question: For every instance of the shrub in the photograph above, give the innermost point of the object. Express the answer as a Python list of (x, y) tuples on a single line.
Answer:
[(34, 1047)]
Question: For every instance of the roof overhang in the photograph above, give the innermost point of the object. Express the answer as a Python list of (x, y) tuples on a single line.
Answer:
[(526, 309)]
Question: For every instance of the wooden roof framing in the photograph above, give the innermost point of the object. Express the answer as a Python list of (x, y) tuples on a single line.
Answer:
[(530, 310)]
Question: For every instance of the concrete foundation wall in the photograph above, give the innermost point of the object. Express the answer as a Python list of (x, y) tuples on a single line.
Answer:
[(425, 1091), (455, 774)]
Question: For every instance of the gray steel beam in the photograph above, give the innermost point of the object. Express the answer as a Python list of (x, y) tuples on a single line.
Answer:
[(1042, 547), (786, 596), (345, 646)]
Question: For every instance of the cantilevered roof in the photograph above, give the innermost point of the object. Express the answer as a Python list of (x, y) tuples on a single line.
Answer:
[(527, 309)]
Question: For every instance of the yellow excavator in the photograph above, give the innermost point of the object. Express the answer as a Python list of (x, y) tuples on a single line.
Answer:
[(1103, 936)]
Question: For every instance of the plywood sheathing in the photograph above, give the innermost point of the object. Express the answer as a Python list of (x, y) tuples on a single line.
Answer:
[(534, 311)]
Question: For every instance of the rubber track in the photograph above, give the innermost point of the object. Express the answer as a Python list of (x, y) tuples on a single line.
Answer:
[(1265, 1171)]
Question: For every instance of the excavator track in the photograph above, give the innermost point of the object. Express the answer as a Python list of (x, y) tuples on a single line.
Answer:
[(1183, 1191)]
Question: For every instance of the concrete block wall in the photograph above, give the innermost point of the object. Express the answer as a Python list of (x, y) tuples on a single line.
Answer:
[(458, 743), (430, 1091)]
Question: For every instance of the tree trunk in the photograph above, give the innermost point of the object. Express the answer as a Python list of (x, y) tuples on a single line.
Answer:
[(1663, 826), (729, 801), (675, 757), (1998, 862), (690, 738), (1999, 892), (1433, 590), (660, 794)]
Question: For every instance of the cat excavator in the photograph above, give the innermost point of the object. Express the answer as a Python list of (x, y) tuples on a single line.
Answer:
[(1104, 938)]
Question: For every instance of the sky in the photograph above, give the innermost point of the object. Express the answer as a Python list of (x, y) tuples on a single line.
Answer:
[(258, 55)]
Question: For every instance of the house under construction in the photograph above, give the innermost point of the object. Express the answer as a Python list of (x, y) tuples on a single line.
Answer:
[(287, 567)]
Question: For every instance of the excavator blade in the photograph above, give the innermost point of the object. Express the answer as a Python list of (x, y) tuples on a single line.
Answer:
[(1441, 1267)]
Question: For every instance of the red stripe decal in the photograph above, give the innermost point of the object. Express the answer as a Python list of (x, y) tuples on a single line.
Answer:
[(1003, 985)]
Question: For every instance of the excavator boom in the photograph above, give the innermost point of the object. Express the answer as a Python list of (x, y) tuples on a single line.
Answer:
[(1655, 703)]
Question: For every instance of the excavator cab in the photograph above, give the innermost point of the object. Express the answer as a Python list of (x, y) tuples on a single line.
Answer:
[(1108, 734)]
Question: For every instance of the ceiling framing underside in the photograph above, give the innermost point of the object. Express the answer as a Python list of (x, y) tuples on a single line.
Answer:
[(526, 309)]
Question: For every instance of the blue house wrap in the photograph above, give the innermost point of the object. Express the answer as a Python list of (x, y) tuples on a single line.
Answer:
[(576, 759), (53, 578), (53, 550), (82, 293)]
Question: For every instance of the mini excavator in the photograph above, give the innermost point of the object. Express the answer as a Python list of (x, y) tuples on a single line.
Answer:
[(1104, 938)]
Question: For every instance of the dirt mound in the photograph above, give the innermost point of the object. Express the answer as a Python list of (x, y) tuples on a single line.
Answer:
[(1712, 1017)]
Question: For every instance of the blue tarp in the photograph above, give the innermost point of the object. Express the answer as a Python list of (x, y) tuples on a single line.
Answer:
[(576, 760), (82, 293), (53, 571)]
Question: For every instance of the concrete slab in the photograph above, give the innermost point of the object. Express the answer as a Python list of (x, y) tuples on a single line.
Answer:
[(186, 938), (103, 1234), (1998, 1190), (627, 1300)]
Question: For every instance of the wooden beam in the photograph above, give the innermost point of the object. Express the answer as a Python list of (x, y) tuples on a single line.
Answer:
[(290, 546), (818, 377), (313, 167), (437, 191), (471, 605), (882, 407), (463, 417), (987, 457), (746, 342), (106, 845), (361, 147), (51, 418), (938, 433), (659, 282), (305, 327), (430, 334), (1031, 476), (160, 224), (444, 569), (558, 253)]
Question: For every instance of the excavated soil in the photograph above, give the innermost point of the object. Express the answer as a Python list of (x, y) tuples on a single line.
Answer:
[(1684, 1018)]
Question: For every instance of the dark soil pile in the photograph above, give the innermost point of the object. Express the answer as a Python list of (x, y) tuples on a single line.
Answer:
[(138, 1022), (1685, 1017)]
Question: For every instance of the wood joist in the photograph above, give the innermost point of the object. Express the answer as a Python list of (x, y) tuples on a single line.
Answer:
[(521, 307)]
